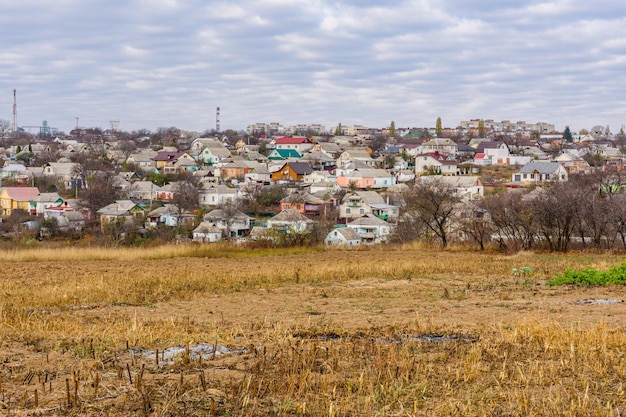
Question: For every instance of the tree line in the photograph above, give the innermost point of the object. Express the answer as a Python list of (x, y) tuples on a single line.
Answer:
[(588, 211)]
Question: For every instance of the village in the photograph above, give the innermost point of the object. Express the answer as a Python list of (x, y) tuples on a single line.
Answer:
[(300, 185)]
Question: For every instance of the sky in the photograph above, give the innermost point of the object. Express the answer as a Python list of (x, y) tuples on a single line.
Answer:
[(162, 63)]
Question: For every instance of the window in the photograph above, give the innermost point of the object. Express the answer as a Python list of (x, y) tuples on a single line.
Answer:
[(348, 211), (361, 211)]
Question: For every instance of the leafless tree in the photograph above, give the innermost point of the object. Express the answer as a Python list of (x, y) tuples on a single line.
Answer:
[(230, 212), (186, 196), (556, 213), (432, 204), (513, 220), (618, 217), (99, 192), (474, 221)]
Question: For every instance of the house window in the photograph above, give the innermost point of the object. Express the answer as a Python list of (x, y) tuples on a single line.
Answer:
[(361, 211), (348, 211)]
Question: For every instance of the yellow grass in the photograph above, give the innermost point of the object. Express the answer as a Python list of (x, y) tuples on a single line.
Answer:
[(320, 332)]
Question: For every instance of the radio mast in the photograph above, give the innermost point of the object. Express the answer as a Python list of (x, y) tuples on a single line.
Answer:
[(14, 127)]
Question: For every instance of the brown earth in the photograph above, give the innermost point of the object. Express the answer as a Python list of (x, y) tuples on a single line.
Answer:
[(98, 370)]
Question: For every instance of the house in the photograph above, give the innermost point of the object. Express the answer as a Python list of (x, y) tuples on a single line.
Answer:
[(164, 193), (260, 175), (371, 229), (292, 171), (16, 198), (14, 172), (350, 156), (120, 210), (206, 232), (305, 203), (441, 145), (282, 154), (217, 194), (361, 203), (498, 152), (70, 221), (166, 161), (343, 236), (329, 148), (143, 191), (236, 169), (435, 163), (573, 164), (465, 186), (541, 172), (42, 201), (57, 210), (319, 160), (143, 159), (366, 178), (64, 173), (481, 159), (168, 215), (213, 154), (230, 223), (299, 144), (290, 221)]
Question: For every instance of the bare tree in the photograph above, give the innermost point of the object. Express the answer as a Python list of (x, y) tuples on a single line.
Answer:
[(4, 128), (186, 196), (474, 221), (556, 213), (230, 211), (432, 203), (99, 192), (513, 220)]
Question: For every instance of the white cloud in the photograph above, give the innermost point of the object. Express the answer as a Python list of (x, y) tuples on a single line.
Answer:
[(167, 62)]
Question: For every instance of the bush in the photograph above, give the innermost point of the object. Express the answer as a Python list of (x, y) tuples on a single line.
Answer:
[(591, 276)]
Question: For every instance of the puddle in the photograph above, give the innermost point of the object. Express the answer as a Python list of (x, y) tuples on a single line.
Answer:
[(200, 350), (440, 338), (601, 301), (425, 338)]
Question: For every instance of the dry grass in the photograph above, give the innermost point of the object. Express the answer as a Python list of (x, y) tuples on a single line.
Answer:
[(317, 333)]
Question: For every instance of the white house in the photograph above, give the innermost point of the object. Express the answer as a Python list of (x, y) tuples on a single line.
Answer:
[(290, 220), (206, 232), (541, 172), (234, 224), (217, 194), (434, 163), (371, 229), (343, 236)]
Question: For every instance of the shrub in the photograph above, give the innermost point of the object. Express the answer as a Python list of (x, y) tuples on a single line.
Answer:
[(590, 276)]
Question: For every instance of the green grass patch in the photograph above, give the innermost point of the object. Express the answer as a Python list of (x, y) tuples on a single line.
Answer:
[(590, 276)]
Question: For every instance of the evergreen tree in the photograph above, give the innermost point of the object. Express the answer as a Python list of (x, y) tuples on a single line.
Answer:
[(338, 130), (567, 135), (392, 128), (438, 128), (481, 128)]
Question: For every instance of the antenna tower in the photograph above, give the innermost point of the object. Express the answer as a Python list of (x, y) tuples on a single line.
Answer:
[(217, 120), (14, 127)]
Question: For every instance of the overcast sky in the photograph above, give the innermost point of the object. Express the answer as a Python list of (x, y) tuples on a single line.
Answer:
[(160, 63)]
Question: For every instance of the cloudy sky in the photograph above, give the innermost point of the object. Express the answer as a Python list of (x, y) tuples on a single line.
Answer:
[(159, 63)]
